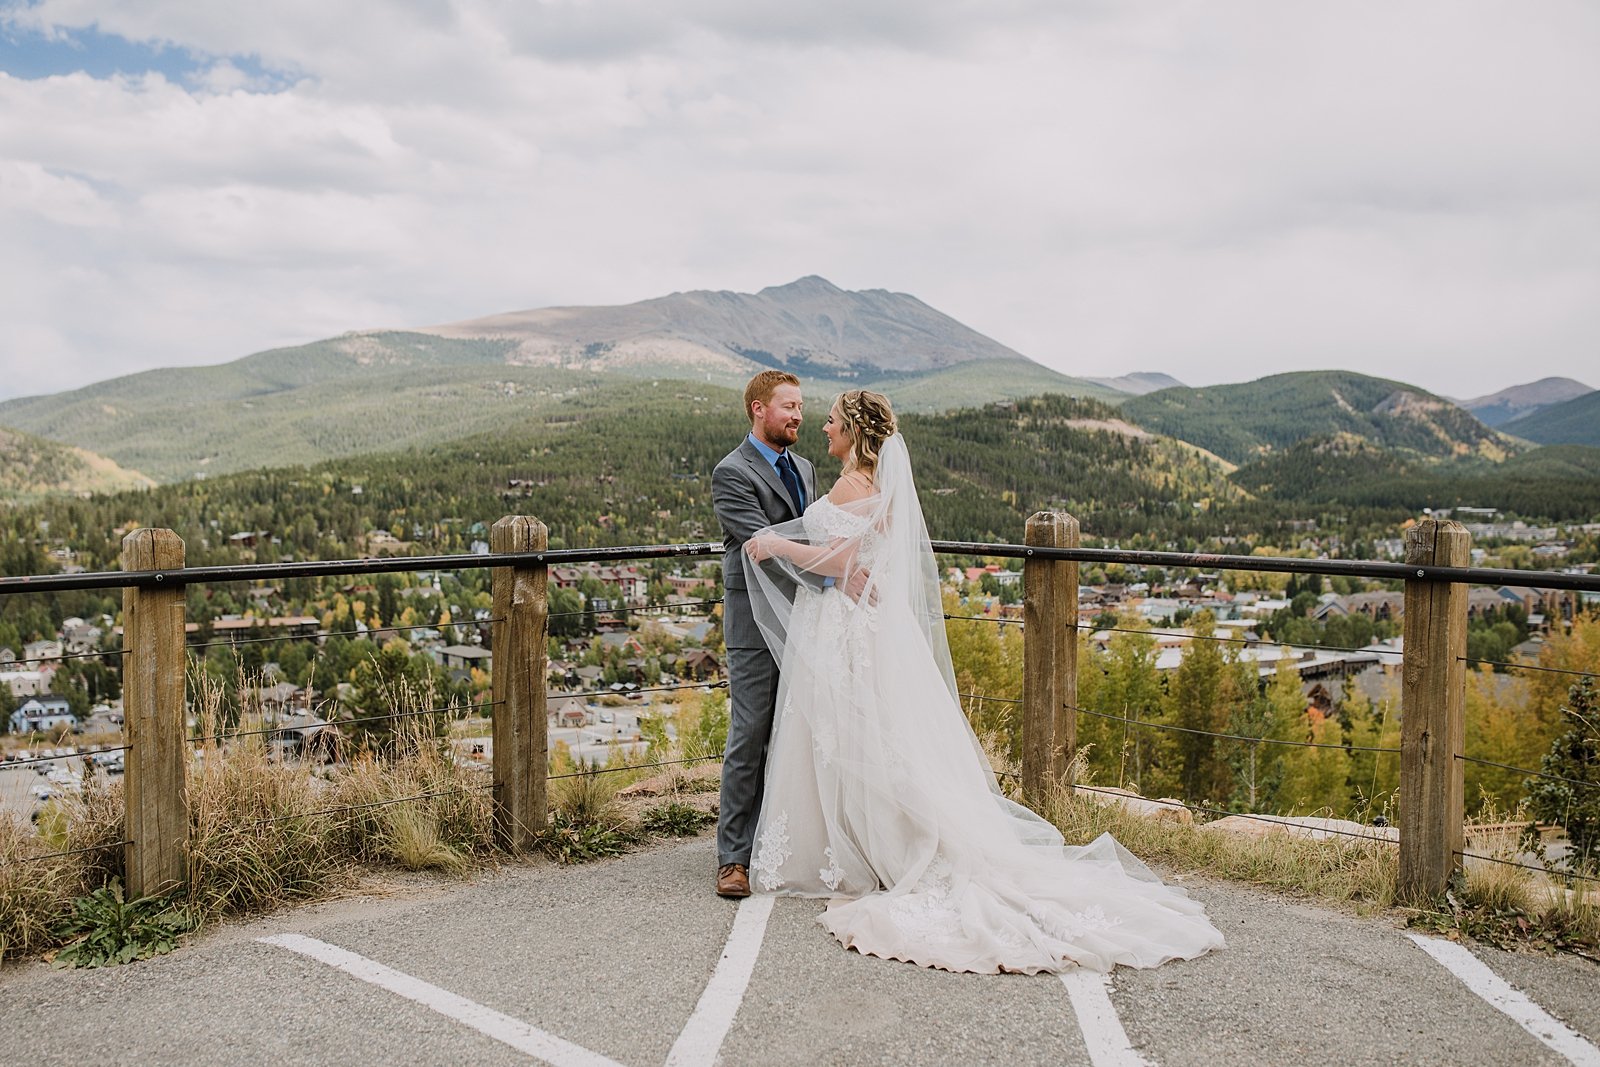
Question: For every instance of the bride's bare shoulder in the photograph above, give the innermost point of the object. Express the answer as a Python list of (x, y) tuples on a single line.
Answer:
[(851, 487)]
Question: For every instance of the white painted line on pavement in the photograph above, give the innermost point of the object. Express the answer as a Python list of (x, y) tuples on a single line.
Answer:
[(503, 1028), (1090, 992), (1476, 976), (702, 1037)]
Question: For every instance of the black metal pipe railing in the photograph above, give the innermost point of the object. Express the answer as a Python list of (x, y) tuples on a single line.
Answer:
[(261, 572), (558, 557)]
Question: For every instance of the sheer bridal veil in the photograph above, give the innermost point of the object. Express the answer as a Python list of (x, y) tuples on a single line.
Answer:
[(886, 536)]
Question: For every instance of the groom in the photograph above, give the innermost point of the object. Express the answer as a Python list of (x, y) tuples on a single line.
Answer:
[(758, 484)]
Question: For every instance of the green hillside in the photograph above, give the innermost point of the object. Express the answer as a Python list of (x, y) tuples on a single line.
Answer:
[(632, 465), (1572, 422), (384, 391), (1560, 484), (32, 466), (1244, 421)]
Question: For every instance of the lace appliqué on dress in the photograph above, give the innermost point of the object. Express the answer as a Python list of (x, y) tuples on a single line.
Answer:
[(824, 744), (832, 874), (773, 853), (924, 915), (1073, 925)]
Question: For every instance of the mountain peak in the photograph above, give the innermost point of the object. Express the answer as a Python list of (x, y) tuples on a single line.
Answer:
[(1521, 401), (809, 326), (811, 284)]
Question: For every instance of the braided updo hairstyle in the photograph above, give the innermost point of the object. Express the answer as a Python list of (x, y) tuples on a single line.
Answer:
[(870, 421)]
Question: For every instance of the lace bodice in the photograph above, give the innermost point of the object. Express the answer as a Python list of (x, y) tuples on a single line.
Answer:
[(826, 521)]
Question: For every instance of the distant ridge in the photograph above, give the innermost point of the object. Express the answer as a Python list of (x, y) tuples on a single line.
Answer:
[(1248, 420), (376, 391), (1139, 382), (1520, 401), (809, 326), (1572, 422)]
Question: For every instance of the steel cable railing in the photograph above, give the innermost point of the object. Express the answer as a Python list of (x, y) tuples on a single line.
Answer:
[(66, 852), (66, 656), (1258, 642), (632, 767), (644, 689), (1237, 640), (230, 734), (1527, 667), (1234, 737), (1527, 866), (985, 618), (1192, 730), (371, 804), (83, 755), (1282, 821), (637, 611), (320, 634), (1528, 772)]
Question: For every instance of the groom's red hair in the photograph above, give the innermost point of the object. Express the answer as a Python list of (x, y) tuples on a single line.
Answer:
[(761, 388)]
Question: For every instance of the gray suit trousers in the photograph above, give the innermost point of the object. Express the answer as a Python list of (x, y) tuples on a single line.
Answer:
[(744, 764)]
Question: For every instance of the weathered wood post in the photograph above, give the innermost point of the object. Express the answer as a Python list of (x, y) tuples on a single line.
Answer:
[(1050, 656), (156, 857), (1432, 695), (519, 635)]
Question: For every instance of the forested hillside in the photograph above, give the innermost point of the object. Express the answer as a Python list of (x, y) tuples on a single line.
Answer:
[(1244, 421), (633, 466), (32, 466), (1561, 483), (1574, 422)]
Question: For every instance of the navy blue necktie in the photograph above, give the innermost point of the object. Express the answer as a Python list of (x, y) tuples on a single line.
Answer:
[(791, 482)]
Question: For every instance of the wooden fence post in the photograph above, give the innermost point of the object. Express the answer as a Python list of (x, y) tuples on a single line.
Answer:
[(156, 858), (519, 637), (1050, 656), (1432, 695)]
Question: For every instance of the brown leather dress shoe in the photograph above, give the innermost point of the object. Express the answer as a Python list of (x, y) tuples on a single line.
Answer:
[(733, 880)]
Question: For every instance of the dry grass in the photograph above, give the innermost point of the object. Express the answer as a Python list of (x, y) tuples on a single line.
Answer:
[(265, 832), (34, 894), (1491, 901), (1345, 870), (262, 832)]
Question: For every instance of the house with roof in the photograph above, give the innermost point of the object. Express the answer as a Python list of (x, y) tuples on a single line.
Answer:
[(1377, 605), (25, 683), (42, 652), (306, 736), (42, 714), (465, 657), (699, 664), (567, 711)]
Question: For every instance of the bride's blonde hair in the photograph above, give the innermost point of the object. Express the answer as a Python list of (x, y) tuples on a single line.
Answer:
[(869, 419)]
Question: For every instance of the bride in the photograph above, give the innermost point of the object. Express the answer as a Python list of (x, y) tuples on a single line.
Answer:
[(878, 795)]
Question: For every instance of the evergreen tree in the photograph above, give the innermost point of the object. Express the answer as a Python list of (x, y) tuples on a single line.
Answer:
[(1574, 757)]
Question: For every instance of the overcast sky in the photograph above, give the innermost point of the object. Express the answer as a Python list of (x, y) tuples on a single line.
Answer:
[(1219, 190)]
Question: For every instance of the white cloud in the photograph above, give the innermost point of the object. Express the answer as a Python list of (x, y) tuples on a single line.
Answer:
[(1219, 191)]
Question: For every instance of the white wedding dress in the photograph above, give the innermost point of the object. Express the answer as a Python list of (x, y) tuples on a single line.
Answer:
[(879, 797)]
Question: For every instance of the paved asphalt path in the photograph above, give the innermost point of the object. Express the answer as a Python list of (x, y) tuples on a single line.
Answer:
[(614, 957)]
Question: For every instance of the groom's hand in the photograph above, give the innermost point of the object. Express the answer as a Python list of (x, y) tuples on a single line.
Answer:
[(856, 584)]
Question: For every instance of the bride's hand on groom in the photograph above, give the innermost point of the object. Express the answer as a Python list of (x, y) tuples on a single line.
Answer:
[(763, 546)]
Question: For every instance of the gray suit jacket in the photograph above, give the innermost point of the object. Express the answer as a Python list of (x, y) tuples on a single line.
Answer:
[(748, 495)]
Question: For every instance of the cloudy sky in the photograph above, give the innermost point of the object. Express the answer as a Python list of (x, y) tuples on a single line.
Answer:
[(1218, 190)]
